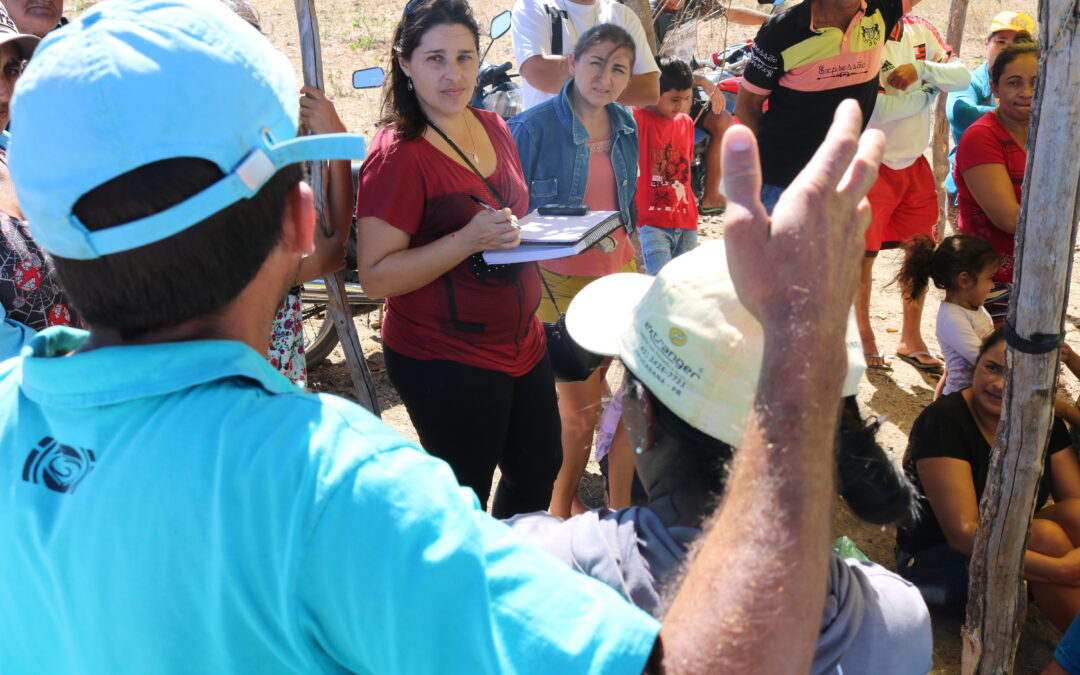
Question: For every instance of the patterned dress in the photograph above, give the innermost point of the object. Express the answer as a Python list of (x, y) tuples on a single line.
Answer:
[(286, 350)]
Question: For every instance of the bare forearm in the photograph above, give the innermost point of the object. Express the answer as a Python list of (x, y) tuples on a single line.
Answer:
[(546, 73), (748, 113), (746, 17), (408, 269), (643, 90), (329, 252), (762, 567)]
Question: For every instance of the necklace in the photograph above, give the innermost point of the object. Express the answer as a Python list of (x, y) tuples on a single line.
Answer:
[(472, 141)]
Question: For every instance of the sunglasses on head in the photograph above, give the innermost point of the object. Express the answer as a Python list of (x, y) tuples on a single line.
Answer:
[(410, 7)]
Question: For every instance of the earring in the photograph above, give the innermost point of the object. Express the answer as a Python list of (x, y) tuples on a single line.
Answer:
[(638, 450), (409, 85)]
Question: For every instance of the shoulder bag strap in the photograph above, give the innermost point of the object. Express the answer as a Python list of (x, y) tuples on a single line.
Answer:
[(464, 158)]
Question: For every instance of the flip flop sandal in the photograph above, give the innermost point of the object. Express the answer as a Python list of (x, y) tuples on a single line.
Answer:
[(711, 210), (882, 366), (913, 360)]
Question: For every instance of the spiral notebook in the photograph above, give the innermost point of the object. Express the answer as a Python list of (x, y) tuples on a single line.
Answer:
[(550, 237)]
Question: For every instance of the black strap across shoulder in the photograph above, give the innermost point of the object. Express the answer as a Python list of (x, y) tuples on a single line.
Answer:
[(468, 163)]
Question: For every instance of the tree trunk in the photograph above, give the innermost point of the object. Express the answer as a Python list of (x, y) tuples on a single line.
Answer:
[(942, 134), (311, 54), (1045, 236)]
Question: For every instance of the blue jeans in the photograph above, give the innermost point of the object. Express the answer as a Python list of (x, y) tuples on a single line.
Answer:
[(940, 574), (770, 194), (660, 244)]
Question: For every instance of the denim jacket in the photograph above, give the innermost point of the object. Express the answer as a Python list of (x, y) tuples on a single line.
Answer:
[(551, 144)]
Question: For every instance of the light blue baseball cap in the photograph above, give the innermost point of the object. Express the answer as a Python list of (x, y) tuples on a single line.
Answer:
[(137, 81)]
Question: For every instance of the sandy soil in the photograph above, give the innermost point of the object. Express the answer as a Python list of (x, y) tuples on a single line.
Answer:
[(356, 35)]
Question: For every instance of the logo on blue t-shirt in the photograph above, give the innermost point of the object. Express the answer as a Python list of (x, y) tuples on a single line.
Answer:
[(57, 466)]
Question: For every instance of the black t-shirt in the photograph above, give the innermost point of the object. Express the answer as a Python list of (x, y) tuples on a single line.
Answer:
[(807, 73), (947, 429)]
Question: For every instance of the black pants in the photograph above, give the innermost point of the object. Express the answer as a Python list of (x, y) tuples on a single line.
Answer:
[(475, 419)]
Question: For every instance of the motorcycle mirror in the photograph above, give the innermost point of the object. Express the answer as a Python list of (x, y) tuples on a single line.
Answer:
[(500, 25), (368, 78)]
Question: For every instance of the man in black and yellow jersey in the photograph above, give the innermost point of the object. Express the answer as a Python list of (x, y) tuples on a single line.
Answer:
[(804, 62)]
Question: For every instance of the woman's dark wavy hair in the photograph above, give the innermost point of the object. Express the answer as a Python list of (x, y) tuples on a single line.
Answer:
[(400, 106), (943, 263), (1022, 44)]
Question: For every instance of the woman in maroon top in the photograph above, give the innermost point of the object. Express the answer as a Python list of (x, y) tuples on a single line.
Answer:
[(462, 344), (990, 162)]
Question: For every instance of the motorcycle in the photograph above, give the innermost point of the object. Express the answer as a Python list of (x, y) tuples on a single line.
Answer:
[(495, 89), (724, 69)]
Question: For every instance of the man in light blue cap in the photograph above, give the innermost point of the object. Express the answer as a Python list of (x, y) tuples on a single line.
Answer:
[(172, 504)]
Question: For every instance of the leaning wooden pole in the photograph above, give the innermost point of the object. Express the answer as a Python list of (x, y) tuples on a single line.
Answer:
[(942, 133), (311, 55), (1045, 236)]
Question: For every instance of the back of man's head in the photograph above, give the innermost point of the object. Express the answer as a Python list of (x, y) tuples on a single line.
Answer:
[(149, 138)]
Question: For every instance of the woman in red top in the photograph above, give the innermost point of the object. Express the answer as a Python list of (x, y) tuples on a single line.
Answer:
[(990, 161), (462, 344)]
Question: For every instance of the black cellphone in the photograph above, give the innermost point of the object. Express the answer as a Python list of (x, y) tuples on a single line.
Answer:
[(560, 210)]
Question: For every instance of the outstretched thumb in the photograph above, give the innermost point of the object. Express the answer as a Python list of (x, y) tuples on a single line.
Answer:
[(746, 217)]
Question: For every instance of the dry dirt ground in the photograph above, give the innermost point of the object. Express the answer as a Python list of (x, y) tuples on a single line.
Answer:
[(356, 34)]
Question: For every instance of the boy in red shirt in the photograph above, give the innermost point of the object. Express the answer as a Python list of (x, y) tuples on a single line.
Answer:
[(667, 210)]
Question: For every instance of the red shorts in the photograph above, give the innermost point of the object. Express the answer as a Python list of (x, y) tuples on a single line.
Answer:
[(904, 203)]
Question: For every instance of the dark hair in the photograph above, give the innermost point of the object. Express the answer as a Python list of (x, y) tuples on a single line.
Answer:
[(942, 263), (1023, 44), (400, 107), (991, 341), (675, 74), (193, 273), (700, 454), (245, 12), (606, 32)]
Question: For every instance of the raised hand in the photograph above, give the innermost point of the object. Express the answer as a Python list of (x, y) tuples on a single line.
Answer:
[(317, 112), (799, 269)]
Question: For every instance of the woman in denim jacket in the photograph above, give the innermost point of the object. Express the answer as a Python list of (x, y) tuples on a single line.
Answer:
[(581, 148)]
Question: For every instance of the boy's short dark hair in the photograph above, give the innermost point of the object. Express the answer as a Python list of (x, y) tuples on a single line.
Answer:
[(675, 74), (193, 273)]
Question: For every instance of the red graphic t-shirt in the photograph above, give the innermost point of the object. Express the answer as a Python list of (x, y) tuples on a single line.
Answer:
[(987, 142), (664, 195), (29, 290), (485, 320)]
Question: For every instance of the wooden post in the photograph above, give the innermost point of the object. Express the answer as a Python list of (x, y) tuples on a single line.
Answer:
[(311, 54), (1045, 236), (942, 134)]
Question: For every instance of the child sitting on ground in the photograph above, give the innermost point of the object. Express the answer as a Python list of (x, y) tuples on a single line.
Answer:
[(667, 210), (964, 267)]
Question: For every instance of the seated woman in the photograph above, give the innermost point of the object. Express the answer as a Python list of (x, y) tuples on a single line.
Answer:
[(990, 163), (948, 457), (461, 340), (581, 148), (682, 454)]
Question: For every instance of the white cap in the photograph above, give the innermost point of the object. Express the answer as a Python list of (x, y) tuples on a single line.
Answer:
[(687, 337)]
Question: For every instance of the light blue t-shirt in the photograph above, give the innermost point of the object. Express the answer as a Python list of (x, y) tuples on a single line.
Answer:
[(182, 508), (13, 335), (963, 108)]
